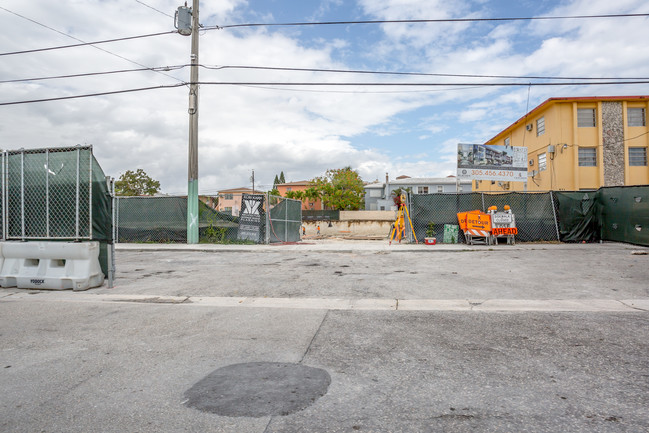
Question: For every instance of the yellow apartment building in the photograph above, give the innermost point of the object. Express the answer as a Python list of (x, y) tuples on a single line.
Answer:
[(580, 143)]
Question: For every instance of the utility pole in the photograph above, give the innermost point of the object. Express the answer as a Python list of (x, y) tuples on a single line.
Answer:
[(253, 181), (192, 169)]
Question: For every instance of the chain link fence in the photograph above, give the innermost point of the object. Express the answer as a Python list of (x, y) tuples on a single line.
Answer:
[(284, 219), (164, 219), (536, 217), (57, 194)]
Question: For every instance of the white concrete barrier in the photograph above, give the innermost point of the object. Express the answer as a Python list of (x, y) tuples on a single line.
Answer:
[(50, 265)]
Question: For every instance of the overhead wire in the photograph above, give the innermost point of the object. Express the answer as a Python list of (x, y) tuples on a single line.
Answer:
[(321, 84), (383, 84), (416, 74), (151, 7), (87, 43), (90, 74), (289, 69), (83, 44), (418, 21), (87, 95)]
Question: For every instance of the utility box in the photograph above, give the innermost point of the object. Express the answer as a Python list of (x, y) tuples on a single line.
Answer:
[(183, 20)]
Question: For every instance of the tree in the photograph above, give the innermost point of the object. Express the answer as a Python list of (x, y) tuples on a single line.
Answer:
[(341, 189), (275, 182), (282, 179), (136, 183)]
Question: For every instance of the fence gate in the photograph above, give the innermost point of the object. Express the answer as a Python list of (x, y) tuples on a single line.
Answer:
[(284, 219)]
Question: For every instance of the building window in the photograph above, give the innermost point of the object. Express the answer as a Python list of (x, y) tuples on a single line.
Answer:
[(422, 190), (507, 141), (636, 117), (288, 188), (440, 188), (542, 161), (588, 157), (586, 117), (540, 126), (638, 156), (228, 197)]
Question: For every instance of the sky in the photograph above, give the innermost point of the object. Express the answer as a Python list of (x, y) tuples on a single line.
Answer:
[(300, 130)]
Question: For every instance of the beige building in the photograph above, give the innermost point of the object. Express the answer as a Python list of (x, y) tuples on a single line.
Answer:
[(579, 143), (230, 199)]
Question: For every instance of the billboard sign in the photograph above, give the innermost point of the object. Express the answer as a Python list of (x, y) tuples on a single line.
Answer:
[(251, 220), (491, 162)]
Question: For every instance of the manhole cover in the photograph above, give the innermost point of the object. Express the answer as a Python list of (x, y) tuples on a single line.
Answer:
[(258, 389)]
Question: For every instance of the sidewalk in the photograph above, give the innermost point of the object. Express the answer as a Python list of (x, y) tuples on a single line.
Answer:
[(346, 245)]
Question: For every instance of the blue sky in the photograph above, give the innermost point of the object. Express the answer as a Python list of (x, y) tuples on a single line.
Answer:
[(302, 131)]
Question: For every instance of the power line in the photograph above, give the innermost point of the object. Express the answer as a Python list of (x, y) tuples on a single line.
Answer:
[(379, 84), (61, 47), (90, 74), (87, 95), (287, 69), (441, 20), (416, 74), (77, 39), (320, 84), (151, 7)]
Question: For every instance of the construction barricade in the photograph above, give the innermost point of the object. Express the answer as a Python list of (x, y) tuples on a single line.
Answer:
[(476, 226), (50, 265), (503, 224)]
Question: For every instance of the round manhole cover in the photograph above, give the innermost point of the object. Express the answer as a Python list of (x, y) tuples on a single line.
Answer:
[(258, 389)]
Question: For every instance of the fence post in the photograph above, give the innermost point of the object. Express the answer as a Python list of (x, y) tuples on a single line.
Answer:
[(554, 214), (286, 222), (4, 196), (47, 193), (483, 209), (22, 194), (76, 233), (267, 231)]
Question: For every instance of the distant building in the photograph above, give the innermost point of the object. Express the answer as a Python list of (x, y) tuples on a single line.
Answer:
[(307, 204), (378, 195), (230, 199), (580, 143)]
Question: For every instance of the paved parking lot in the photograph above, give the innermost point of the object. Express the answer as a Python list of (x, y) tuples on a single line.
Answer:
[(401, 338)]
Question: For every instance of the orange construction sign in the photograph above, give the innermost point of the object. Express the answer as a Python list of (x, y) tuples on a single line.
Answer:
[(502, 231), (474, 220)]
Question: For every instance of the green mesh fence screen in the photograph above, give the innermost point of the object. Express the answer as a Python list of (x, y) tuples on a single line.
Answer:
[(164, 219), (624, 214), (285, 219), (534, 212), (578, 216), (610, 213), (58, 193)]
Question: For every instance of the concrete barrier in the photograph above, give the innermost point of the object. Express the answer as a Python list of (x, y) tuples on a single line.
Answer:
[(50, 265)]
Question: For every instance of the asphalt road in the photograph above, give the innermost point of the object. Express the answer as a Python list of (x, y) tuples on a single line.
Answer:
[(538, 338)]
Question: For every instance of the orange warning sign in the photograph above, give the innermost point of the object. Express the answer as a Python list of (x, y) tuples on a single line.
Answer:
[(501, 231), (474, 220), (462, 218)]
